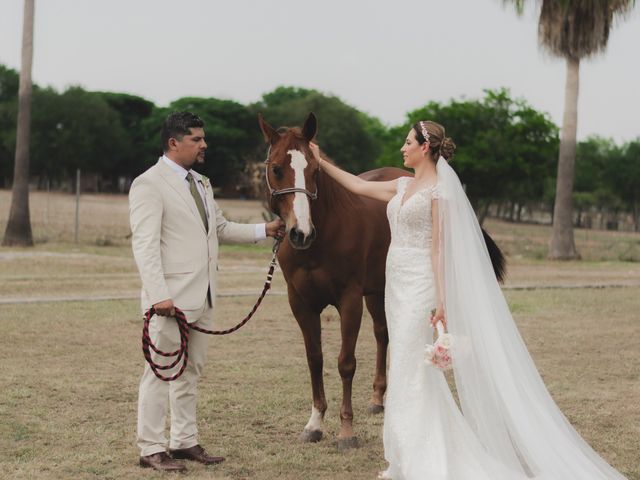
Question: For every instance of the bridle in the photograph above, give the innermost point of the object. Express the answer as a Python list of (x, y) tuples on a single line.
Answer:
[(283, 191)]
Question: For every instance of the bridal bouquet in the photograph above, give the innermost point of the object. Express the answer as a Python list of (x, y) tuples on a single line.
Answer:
[(438, 354)]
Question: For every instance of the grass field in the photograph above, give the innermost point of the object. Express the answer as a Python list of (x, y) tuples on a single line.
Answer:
[(70, 369)]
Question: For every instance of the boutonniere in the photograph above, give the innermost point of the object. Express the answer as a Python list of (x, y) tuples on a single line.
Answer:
[(205, 181)]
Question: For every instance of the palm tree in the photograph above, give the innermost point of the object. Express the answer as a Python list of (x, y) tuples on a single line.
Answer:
[(18, 230), (573, 30)]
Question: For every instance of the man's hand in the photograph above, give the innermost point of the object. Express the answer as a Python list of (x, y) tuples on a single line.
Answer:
[(275, 229), (165, 308)]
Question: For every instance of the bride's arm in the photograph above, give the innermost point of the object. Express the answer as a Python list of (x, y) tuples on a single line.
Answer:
[(436, 263), (378, 190)]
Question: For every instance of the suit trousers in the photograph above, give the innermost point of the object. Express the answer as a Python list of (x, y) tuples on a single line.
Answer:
[(180, 393)]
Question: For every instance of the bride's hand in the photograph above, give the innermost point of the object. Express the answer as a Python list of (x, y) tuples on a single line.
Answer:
[(315, 149), (438, 316)]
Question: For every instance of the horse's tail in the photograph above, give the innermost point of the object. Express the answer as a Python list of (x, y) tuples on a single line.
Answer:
[(497, 257)]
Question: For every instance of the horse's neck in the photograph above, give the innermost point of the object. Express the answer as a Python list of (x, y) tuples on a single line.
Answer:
[(334, 202)]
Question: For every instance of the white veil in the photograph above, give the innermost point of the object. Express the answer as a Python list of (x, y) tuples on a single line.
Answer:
[(501, 392)]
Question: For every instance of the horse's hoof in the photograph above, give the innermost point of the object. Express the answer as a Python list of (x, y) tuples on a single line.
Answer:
[(375, 409), (348, 443), (311, 436)]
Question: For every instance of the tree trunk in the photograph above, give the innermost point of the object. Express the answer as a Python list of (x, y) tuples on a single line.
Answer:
[(562, 245), (18, 230)]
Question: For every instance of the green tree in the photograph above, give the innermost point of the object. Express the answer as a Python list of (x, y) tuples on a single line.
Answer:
[(505, 148), (231, 135), (591, 187), (283, 95), (9, 84), (623, 175), (572, 30), (76, 129), (18, 231), (133, 112)]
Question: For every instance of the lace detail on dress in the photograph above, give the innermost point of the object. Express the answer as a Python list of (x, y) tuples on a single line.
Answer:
[(410, 222), (436, 191), (425, 435)]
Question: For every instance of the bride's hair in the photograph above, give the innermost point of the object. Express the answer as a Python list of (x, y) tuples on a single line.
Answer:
[(439, 144)]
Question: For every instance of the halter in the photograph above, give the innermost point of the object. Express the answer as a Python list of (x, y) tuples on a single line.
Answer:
[(283, 191)]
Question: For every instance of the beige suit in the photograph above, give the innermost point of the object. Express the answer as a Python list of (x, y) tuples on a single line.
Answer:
[(177, 259)]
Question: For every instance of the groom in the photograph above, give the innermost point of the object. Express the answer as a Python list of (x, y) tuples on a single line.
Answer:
[(176, 225)]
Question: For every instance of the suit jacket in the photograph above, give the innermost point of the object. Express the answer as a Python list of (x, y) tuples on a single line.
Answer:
[(176, 257)]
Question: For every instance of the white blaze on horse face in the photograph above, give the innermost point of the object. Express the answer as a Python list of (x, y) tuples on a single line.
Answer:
[(315, 423), (301, 207)]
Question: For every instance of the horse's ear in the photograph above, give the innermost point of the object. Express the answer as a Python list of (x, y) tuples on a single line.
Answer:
[(271, 136), (310, 127)]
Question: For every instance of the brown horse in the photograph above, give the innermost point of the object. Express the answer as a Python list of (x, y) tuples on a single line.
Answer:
[(335, 255)]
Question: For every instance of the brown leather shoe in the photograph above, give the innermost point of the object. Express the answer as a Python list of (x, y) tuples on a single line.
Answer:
[(196, 453), (162, 462)]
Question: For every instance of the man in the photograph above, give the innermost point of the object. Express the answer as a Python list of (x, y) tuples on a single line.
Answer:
[(176, 225)]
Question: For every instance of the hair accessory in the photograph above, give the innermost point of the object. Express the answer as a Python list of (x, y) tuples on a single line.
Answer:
[(425, 133)]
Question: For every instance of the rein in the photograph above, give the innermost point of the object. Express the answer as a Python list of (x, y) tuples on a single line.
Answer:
[(182, 354)]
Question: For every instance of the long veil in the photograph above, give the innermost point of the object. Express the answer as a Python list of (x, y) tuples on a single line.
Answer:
[(501, 392)]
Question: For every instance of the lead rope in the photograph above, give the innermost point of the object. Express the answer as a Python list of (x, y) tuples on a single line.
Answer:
[(183, 326)]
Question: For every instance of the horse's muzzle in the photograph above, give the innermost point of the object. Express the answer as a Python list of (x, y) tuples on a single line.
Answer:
[(298, 239)]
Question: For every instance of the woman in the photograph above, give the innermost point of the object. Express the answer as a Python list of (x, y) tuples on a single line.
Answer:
[(511, 428)]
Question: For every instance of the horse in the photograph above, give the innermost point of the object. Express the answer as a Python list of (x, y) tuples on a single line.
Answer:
[(335, 254)]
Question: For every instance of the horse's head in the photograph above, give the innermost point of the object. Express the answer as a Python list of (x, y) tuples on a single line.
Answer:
[(291, 177)]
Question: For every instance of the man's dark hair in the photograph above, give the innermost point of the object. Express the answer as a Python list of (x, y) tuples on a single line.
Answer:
[(178, 124)]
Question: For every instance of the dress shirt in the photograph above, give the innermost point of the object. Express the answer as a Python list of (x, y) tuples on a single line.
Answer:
[(261, 228)]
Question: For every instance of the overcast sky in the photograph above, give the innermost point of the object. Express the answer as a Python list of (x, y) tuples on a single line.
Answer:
[(383, 57)]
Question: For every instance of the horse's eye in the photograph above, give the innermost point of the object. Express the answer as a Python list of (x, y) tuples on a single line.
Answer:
[(277, 171)]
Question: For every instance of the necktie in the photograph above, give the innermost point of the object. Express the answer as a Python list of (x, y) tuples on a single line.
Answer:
[(198, 199)]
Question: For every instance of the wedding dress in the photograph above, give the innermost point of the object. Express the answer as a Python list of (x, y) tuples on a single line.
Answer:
[(508, 427)]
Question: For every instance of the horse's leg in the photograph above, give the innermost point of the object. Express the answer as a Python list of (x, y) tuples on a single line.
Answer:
[(309, 322), (375, 305), (350, 309)]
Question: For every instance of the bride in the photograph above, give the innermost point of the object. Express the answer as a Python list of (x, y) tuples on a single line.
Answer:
[(508, 426)]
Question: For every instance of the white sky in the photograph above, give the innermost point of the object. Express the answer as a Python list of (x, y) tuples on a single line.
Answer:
[(383, 57)]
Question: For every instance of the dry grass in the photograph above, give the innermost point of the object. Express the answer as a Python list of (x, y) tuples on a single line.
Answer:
[(532, 241), (68, 406), (49, 271), (68, 402)]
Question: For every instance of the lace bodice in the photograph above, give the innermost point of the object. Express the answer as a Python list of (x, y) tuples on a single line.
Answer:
[(410, 222)]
